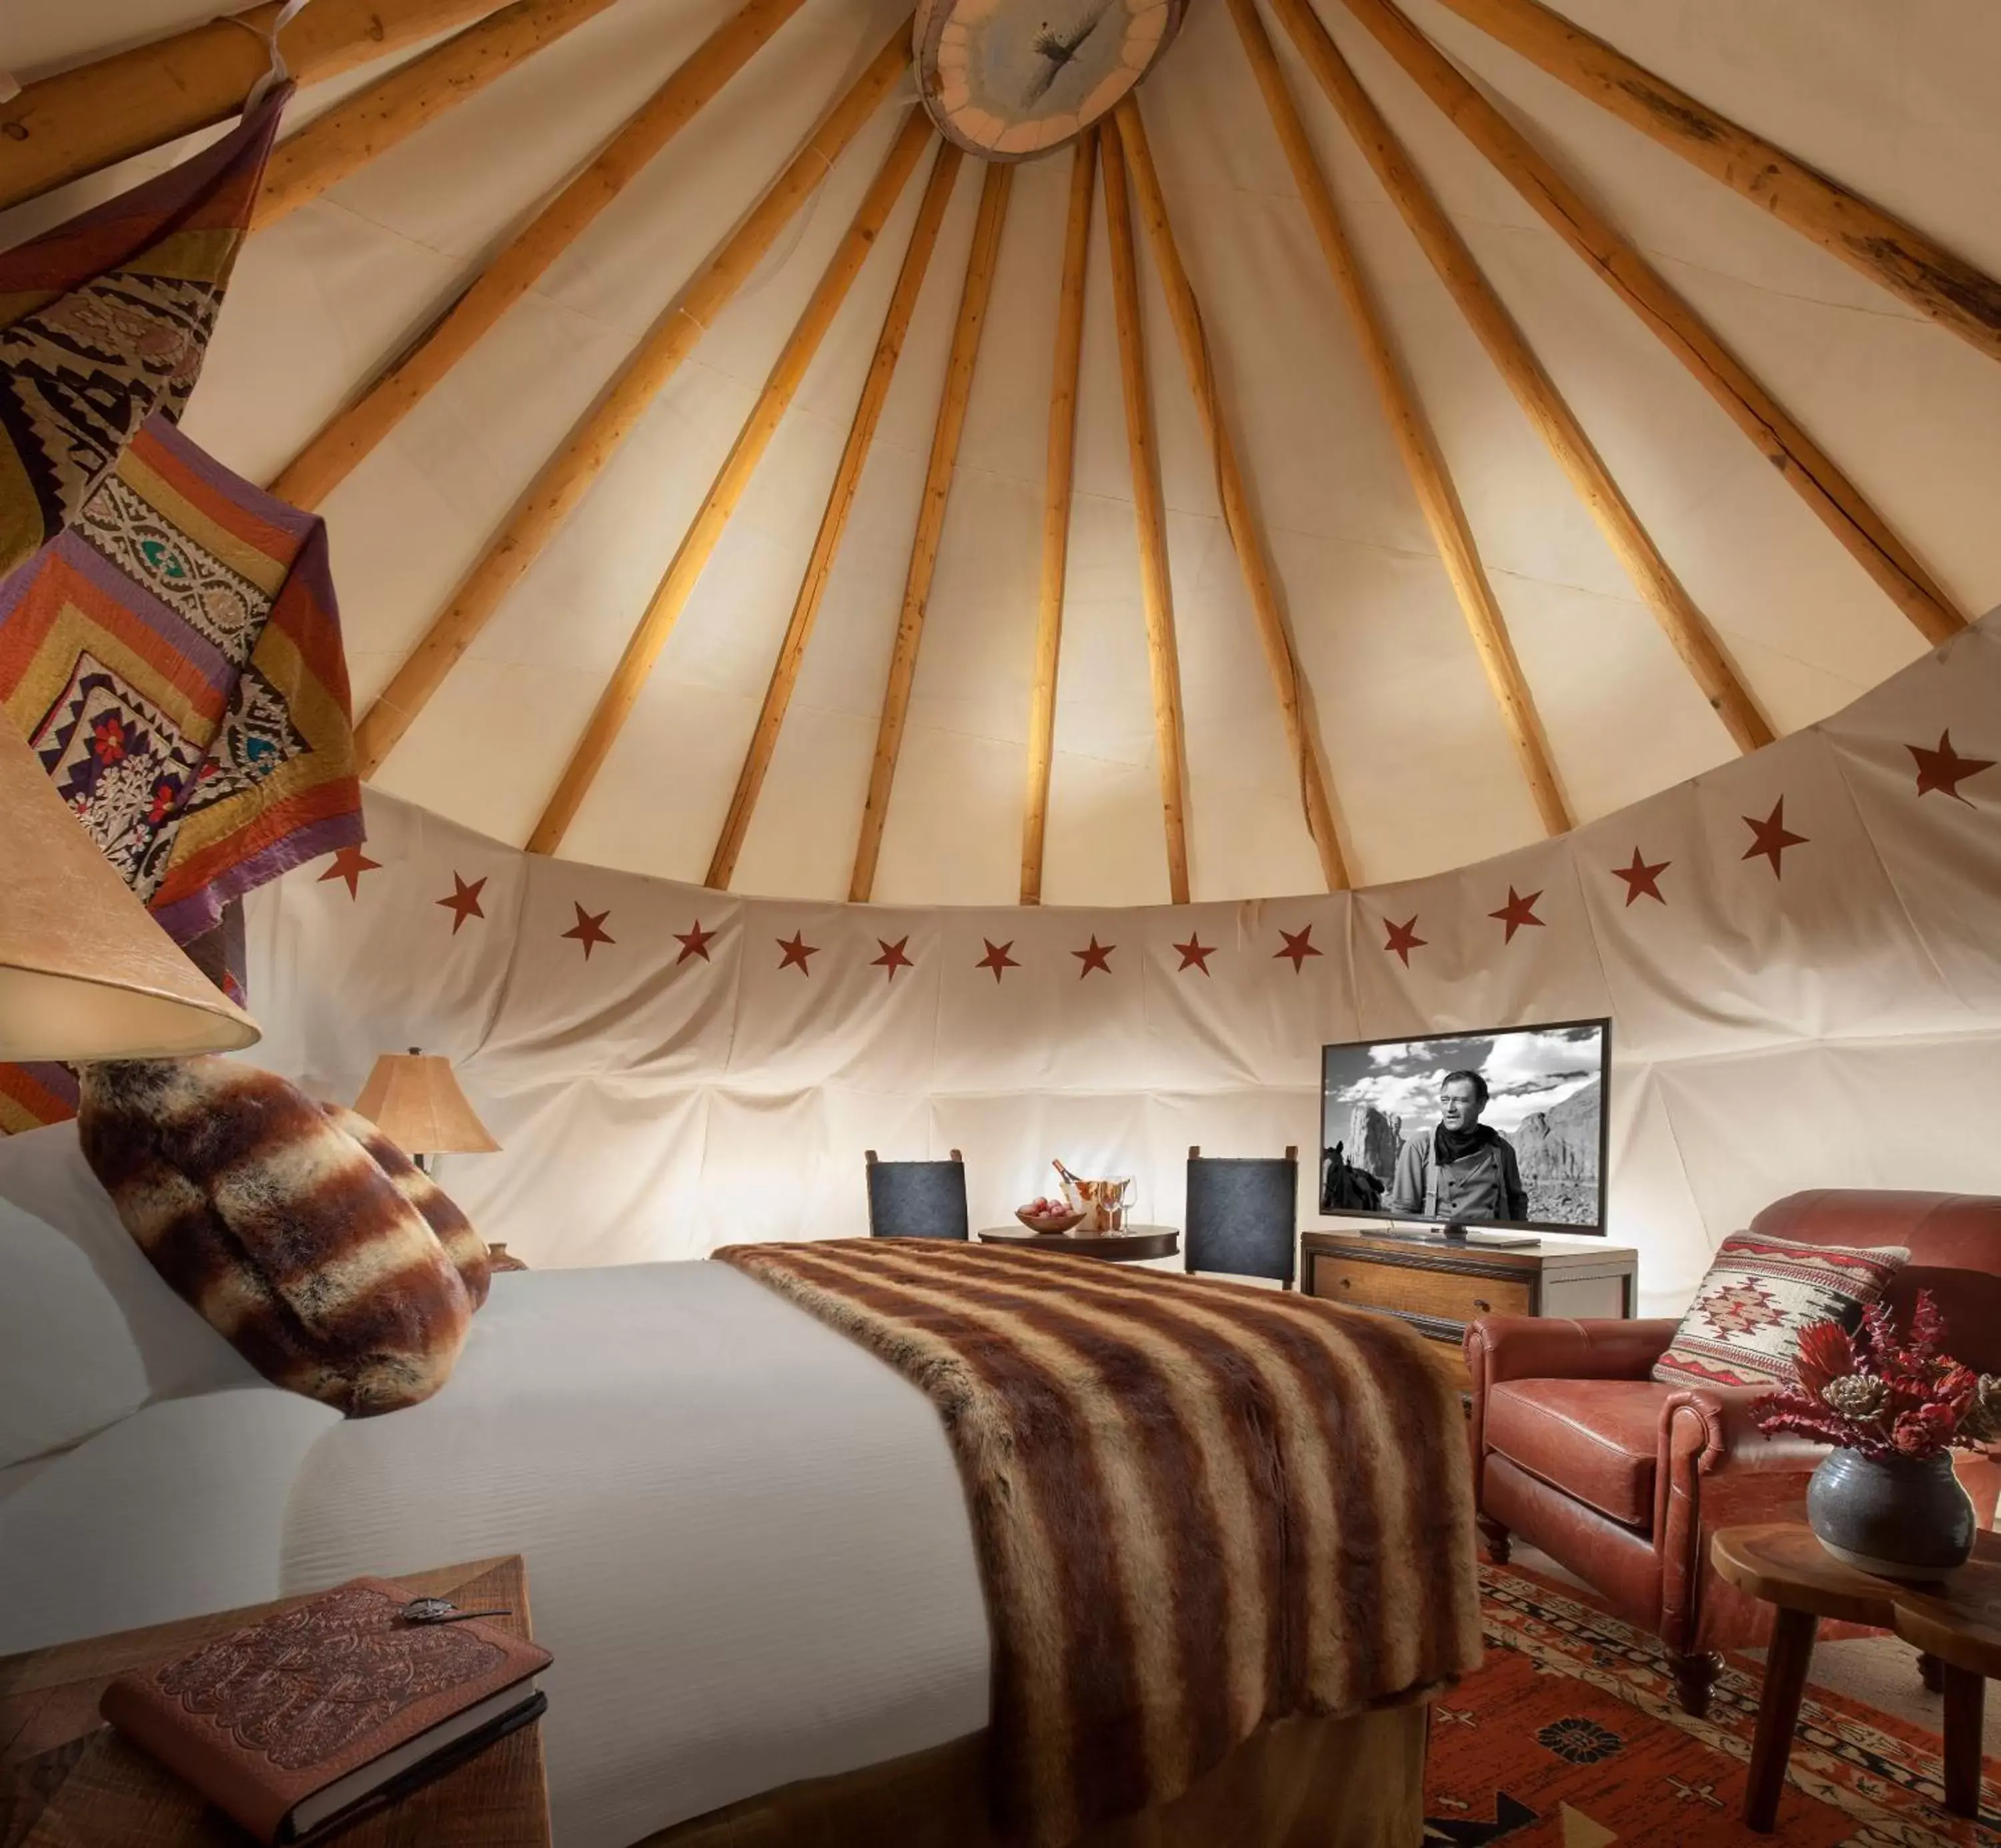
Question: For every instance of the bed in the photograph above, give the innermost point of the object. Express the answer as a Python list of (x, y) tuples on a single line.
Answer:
[(747, 1538)]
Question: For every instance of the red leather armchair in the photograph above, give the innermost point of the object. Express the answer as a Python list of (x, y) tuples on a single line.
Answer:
[(1623, 1480)]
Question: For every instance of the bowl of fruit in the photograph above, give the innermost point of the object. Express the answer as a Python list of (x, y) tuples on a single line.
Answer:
[(1046, 1215)]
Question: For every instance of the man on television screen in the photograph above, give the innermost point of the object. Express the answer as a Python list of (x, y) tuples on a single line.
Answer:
[(1463, 1170)]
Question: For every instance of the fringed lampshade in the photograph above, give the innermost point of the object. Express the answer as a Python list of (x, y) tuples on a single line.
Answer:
[(414, 1100), (85, 972)]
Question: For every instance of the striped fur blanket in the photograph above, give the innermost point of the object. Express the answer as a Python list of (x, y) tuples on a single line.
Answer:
[(1197, 1506)]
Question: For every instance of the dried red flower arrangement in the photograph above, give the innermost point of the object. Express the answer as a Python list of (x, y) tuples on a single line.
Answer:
[(1885, 1393)]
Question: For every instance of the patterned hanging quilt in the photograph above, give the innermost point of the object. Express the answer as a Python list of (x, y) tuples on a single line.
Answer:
[(174, 658), (169, 642), (104, 321)]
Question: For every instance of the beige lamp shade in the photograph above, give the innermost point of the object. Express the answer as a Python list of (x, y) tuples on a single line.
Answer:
[(84, 971), (414, 1100)]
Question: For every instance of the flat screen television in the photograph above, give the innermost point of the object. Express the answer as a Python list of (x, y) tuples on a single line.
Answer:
[(1461, 1130)]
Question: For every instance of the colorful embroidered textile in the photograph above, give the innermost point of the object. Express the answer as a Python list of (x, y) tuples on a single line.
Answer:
[(1744, 1326), (1197, 1507), (175, 659), (104, 321)]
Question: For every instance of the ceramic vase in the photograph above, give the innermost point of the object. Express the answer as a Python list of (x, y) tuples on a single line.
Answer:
[(1898, 1518)]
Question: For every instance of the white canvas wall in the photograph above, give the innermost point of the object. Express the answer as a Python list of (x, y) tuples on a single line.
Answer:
[(1837, 1024)]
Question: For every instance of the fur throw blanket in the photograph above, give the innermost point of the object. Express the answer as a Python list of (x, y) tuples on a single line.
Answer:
[(1197, 1507), (278, 1227)]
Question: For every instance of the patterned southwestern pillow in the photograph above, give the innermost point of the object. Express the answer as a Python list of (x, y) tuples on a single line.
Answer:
[(465, 1247), (1743, 1329), (278, 1227)]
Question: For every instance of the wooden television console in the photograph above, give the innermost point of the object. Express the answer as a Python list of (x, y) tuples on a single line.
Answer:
[(1438, 1289)]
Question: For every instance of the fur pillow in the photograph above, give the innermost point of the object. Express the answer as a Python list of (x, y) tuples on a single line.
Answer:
[(278, 1227), (465, 1247)]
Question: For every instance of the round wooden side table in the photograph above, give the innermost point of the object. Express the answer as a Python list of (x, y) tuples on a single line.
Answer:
[(1129, 1247), (1959, 1621), (1959, 1627)]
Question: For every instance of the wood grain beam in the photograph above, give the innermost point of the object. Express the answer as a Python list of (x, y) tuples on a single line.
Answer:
[(1148, 512), (1058, 474), (1687, 629), (348, 438), (567, 476), (712, 519), (60, 128), (1805, 467), (1934, 280), (945, 432), (833, 520), (353, 133), (1253, 559), (1423, 460)]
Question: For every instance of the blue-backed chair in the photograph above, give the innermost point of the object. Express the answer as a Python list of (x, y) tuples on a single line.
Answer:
[(1244, 1216), (916, 1199)]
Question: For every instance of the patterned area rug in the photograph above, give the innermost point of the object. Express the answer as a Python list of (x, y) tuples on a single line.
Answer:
[(1569, 1736)]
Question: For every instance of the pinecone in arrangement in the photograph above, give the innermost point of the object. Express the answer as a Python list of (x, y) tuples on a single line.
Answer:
[(1983, 1416), (1854, 1395)]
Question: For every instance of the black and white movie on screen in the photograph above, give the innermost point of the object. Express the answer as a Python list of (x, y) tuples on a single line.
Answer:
[(1505, 1127)]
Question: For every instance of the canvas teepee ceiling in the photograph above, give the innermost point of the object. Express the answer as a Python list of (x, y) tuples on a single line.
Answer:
[(1470, 435)]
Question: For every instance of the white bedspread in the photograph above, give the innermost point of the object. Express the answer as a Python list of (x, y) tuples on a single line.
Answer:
[(747, 1546)]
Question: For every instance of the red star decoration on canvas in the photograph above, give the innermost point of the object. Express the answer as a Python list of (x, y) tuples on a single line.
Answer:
[(1402, 938), (589, 929), (695, 942), (1770, 837), (463, 902), (1195, 953), (796, 952), (349, 863), (1299, 946), (1944, 769), (996, 957), (1518, 912), (1642, 881), (893, 958), (1098, 956)]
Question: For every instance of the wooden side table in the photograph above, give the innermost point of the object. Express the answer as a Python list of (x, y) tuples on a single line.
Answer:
[(1781, 1563), (66, 1777), (1960, 1628), (1129, 1247)]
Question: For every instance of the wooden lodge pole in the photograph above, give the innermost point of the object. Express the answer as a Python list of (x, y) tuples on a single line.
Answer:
[(393, 108), (348, 438), (1807, 469), (1058, 475), (712, 519), (834, 521), (567, 476), (1897, 256), (1148, 512), (1686, 627), (1423, 460), (1253, 557), (951, 423), (60, 128)]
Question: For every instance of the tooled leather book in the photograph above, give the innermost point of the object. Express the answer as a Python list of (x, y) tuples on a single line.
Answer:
[(306, 1718)]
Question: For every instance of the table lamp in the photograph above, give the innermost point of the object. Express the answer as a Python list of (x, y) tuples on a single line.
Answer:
[(86, 971), (414, 1100)]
